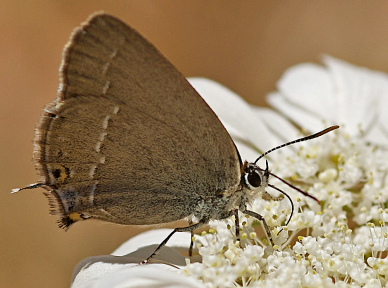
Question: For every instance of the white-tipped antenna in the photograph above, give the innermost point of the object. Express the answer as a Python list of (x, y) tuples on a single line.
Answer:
[(298, 140)]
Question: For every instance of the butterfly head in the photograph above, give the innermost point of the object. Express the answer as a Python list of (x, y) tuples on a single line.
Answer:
[(254, 177)]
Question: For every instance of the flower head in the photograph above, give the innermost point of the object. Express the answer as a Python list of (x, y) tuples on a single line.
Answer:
[(338, 242)]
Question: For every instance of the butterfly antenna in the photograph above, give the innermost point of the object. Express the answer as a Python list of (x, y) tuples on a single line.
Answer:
[(286, 182), (298, 140)]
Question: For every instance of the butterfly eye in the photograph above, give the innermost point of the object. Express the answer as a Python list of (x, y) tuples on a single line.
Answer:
[(253, 179)]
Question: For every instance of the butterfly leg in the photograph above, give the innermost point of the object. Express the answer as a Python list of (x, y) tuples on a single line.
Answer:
[(237, 224), (261, 218), (180, 229), (191, 239)]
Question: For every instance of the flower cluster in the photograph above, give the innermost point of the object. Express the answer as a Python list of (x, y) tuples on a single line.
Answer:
[(339, 242)]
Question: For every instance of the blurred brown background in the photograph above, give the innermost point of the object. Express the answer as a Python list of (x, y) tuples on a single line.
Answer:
[(245, 45)]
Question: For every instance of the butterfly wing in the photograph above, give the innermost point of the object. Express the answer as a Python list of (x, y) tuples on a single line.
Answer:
[(128, 140)]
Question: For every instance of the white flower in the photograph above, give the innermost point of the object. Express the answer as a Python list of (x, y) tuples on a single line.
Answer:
[(345, 237), (353, 97), (122, 269)]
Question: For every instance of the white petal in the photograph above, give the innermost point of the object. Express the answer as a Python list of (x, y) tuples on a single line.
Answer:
[(136, 276), (148, 277), (153, 237), (310, 88), (383, 119), (301, 117), (350, 96), (247, 152), (281, 128), (234, 113), (378, 133), (356, 94), (131, 253)]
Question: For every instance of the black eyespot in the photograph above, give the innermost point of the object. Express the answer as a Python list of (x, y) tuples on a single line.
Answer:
[(57, 173), (254, 179)]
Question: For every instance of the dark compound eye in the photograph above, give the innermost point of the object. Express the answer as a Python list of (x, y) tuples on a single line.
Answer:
[(254, 178)]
